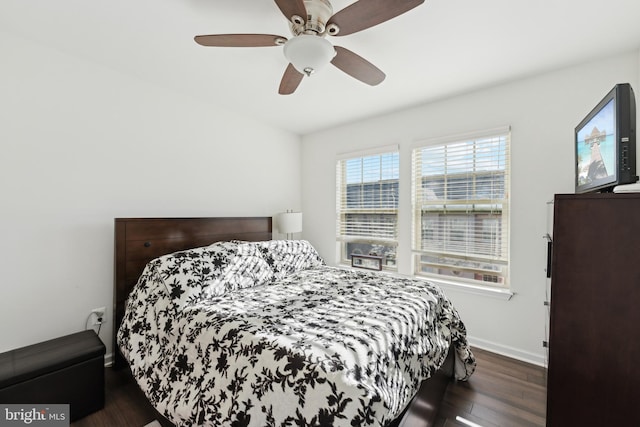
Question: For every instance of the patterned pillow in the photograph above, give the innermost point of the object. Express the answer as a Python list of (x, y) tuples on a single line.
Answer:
[(288, 256), (212, 270)]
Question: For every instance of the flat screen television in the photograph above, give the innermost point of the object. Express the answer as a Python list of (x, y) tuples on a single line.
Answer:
[(605, 143)]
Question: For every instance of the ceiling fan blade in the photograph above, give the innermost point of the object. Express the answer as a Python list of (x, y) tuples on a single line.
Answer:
[(357, 67), (364, 14), (290, 80), (240, 40), (291, 8)]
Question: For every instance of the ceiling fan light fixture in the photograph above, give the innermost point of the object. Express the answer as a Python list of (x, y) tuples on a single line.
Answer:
[(309, 53)]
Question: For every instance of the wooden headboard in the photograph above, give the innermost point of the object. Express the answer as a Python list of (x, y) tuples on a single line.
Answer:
[(139, 240)]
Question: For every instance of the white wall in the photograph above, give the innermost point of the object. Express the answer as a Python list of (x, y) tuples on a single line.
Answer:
[(82, 145), (542, 111)]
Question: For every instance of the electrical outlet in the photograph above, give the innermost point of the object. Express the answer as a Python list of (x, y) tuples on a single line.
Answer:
[(98, 315)]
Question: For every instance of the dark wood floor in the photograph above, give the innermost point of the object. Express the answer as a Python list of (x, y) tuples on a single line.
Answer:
[(502, 392)]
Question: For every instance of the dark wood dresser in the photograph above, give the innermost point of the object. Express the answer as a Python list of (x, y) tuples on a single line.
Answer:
[(594, 337)]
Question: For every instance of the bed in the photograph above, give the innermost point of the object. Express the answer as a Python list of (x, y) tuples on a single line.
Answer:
[(220, 325)]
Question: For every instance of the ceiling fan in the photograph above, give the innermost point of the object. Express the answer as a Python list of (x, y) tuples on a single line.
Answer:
[(308, 50)]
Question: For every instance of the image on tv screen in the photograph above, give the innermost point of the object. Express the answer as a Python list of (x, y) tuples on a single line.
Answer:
[(596, 148)]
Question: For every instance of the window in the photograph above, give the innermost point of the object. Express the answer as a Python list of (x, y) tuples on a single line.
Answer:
[(367, 205), (461, 208)]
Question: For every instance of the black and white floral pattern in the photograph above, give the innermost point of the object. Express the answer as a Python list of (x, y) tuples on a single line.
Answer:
[(319, 346), (288, 256), (213, 270)]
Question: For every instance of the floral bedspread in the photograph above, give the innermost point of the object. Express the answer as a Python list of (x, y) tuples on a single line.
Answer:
[(265, 334)]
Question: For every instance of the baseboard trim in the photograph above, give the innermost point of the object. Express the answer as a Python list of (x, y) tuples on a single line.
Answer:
[(108, 359), (514, 353)]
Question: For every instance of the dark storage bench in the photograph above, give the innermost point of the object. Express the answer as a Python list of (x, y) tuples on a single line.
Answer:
[(67, 370)]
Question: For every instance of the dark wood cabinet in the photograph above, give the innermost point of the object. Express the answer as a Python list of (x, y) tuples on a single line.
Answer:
[(594, 341)]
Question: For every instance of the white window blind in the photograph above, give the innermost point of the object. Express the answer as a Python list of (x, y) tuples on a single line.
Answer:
[(461, 208), (367, 204)]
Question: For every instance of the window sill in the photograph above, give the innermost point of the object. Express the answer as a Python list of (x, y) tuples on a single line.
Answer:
[(502, 294)]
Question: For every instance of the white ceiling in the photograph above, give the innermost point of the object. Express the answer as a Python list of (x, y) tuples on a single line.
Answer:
[(439, 49)]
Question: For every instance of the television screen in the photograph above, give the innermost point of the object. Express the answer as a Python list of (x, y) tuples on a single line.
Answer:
[(596, 148), (605, 143)]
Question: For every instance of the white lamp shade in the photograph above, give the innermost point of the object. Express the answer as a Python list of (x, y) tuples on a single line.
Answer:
[(290, 222), (308, 53)]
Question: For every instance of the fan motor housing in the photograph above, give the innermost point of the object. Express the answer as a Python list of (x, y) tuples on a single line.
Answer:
[(318, 13)]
